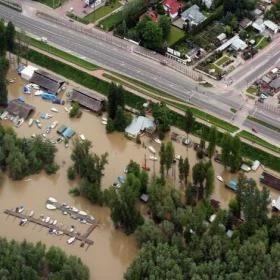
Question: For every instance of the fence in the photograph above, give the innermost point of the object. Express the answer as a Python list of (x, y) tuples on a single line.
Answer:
[(125, 45)]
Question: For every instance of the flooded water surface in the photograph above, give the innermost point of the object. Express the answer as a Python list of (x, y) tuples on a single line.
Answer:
[(112, 251)]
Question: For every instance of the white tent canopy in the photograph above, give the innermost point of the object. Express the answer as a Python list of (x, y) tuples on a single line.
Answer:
[(28, 72)]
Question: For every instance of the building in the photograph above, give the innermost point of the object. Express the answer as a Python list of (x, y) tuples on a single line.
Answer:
[(139, 125), (259, 25), (273, 27), (270, 180), (28, 72), (275, 85), (88, 99), (222, 37), (235, 43), (20, 108), (245, 23), (172, 7), (193, 15), (46, 81)]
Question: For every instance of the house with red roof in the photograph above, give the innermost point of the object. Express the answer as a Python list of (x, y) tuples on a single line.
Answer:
[(172, 7)]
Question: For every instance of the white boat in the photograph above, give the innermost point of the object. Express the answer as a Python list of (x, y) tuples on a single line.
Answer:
[(47, 219), (83, 213), (54, 124), (50, 207), (38, 93), (30, 122), (51, 222), (20, 209), (157, 140), (54, 110), (31, 213), (245, 167), (35, 86), (20, 122), (23, 222), (66, 109), (65, 213), (256, 164), (152, 149), (153, 158), (82, 136), (220, 178), (71, 229), (51, 199), (75, 210), (83, 221), (104, 122), (59, 232), (54, 222), (104, 119), (177, 157), (4, 115), (71, 240)]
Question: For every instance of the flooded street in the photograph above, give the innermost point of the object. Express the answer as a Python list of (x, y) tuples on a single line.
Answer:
[(112, 251)]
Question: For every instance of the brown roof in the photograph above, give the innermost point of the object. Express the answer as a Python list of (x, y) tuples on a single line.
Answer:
[(46, 81), (270, 180), (88, 99), (19, 108)]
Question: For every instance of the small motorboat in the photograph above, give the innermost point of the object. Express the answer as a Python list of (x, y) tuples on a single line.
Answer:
[(104, 119), (82, 213), (152, 149), (23, 222), (83, 221), (31, 213), (177, 157), (65, 213), (30, 122), (82, 136), (220, 178), (51, 199), (19, 122), (47, 219), (51, 222), (71, 229), (54, 222), (157, 140), (38, 93), (54, 124), (71, 240), (54, 110), (50, 206), (20, 209), (153, 158), (104, 122), (59, 232), (66, 109), (75, 210)]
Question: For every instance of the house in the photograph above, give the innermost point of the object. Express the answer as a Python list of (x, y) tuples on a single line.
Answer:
[(257, 13), (245, 23), (273, 27), (222, 37), (193, 15), (172, 7), (139, 125), (259, 25), (88, 99), (270, 180), (275, 85), (235, 43), (46, 81), (20, 108)]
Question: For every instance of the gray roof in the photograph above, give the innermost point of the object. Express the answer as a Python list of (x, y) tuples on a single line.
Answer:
[(138, 125), (19, 108), (275, 83), (88, 99), (47, 81), (193, 14)]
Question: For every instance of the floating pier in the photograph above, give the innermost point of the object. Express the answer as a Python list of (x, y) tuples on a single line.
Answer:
[(81, 237)]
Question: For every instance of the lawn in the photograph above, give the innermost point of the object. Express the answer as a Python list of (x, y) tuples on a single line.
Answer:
[(111, 22), (252, 90), (62, 54), (222, 60), (263, 123), (262, 43), (214, 66), (102, 12), (175, 35), (52, 3), (255, 139)]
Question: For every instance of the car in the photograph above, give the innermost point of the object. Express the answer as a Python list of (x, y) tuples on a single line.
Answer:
[(254, 130), (261, 100)]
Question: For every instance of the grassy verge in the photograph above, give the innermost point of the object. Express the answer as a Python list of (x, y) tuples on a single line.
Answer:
[(263, 123), (102, 12), (252, 90), (62, 54), (136, 102), (111, 22), (251, 137), (263, 42), (222, 60), (52, 3), (175, 35)]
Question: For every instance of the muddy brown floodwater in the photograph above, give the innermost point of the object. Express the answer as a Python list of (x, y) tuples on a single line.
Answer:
[(112, 251)]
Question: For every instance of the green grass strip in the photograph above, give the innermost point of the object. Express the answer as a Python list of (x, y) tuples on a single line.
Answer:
[(263, 123)]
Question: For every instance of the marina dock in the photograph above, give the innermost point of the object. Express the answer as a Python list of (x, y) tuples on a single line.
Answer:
[(81, 237)]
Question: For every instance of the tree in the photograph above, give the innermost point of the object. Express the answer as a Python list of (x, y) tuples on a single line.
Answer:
[(152, 37), (121, 120), (75, 110), (189, 121), (10, 37), (226, 150), (235, 160), (165, 25), (169, 155), (162, 116), (3, 84), (181, 168), (212, 141), (209, 181), (162, 160), (122, 203), (115, 99), (3, 41)]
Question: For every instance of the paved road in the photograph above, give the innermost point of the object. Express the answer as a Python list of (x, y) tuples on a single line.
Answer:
[(127, 63)]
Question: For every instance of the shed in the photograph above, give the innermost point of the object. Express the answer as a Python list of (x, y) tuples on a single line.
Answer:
[(138, 125), (271, 26), (68, 133), (222, 37), (28, 72), (270, 180), (46, 81), (61, 129), (88, 99), (20, 108)]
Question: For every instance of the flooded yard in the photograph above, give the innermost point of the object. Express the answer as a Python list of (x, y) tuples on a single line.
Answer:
[(112, 251)]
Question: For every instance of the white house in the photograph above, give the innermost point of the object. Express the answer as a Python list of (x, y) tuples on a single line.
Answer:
[(259, 25), (139, 125), (271, 26), (235, 42)]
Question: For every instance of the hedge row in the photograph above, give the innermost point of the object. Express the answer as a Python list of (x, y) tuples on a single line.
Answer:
[(136, 102)]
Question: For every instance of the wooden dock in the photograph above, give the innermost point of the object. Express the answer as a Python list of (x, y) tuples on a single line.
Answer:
[(81, 237)]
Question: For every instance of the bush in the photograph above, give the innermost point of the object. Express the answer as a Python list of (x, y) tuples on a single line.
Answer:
[(110, 126), (75, 110), (51, 168), (74, 191), (71, 173)]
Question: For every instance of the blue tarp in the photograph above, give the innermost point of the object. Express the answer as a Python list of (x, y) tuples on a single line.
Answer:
[(68, 132), (48, 96), (232, 184)]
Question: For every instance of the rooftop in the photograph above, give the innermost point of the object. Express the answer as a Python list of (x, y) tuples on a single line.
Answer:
[(138, 125), (275, 83), (194, 15), (20, 108)]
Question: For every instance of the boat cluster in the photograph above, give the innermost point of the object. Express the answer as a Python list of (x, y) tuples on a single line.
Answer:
[(17, 121)]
